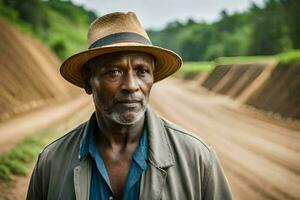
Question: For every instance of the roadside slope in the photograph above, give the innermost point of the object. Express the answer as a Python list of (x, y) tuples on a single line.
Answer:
[(281, 91), (266, 86), (29, 74)]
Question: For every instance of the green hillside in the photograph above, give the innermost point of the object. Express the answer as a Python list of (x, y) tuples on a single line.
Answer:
[(59, 24)]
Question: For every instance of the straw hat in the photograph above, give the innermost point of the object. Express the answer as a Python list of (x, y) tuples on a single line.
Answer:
[(119, 32)]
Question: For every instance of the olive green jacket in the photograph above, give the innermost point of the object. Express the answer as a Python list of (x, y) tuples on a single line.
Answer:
[(180, 166)]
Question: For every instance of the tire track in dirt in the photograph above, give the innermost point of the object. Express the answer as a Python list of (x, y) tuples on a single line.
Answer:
[(256, 155)]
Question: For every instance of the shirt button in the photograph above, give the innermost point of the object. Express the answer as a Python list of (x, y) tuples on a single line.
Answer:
[(111, 198)]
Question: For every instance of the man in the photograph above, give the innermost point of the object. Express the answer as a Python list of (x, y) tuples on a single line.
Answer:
[(125, 151)]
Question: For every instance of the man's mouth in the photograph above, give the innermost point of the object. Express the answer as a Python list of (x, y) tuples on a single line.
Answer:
[(129, 103)]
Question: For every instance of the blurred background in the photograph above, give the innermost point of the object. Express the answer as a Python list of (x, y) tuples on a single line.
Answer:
[(238, 89)]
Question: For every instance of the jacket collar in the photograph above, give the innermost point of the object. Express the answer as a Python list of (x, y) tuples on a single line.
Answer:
[(160, 152), (85, 139)]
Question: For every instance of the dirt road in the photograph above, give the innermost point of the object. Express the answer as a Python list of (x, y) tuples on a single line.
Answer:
[(16, 129), (260, 159)]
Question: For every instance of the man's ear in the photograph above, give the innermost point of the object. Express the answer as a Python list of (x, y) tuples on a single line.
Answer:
[(85, 73)]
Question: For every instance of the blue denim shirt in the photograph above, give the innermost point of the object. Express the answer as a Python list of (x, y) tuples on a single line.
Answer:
[(100, 184)]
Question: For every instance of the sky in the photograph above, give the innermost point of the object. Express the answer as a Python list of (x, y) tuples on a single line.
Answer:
[(155, 14)]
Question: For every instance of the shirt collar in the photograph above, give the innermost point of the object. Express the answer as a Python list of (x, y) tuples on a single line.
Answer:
[(140, 155), (88, 133)]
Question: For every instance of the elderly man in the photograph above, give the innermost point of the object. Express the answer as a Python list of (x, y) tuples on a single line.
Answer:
[(124, 151)]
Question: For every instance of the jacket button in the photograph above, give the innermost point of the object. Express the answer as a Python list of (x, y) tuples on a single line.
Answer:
[(111, 198)]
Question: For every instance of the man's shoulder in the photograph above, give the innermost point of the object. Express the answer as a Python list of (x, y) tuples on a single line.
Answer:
[(64, 144), (184, 134), (186, 140)]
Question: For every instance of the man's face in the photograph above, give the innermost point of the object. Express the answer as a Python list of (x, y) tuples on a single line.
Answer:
[(121, 84)]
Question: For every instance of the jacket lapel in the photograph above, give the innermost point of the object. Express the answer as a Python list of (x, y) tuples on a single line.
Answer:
[(160, 158), (83, 172), (82, 179), (152, 183)]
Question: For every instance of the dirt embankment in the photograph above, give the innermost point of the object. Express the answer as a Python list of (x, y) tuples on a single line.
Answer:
[(262, 85), (215, 76), (29, 74), (281, 92)]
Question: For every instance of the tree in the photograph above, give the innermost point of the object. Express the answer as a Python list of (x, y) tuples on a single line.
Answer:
[(291, 9), (268, 30)]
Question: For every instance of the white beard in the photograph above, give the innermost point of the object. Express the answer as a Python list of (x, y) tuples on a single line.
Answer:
[(129, 118)]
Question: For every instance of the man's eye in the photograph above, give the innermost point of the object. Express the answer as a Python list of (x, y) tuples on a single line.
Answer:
[(114, 73), (142, 71)]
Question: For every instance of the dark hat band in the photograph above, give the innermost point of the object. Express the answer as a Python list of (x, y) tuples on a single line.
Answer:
[(120, 37)]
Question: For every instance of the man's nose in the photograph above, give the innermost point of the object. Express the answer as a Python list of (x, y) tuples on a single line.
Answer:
[(130, 83)]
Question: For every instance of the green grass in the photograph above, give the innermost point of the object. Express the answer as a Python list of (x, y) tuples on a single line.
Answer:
[(244, 59), (196, 67), (192, 68), (71, 36), (289, 57), (17, 160)]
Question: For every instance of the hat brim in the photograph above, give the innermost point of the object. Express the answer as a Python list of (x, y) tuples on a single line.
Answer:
[(167, 61)]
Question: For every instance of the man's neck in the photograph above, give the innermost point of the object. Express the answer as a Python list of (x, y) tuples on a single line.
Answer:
[(112, 134)]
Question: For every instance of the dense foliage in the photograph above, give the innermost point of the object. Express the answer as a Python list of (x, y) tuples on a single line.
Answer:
[(60, 24), (266, 30)]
